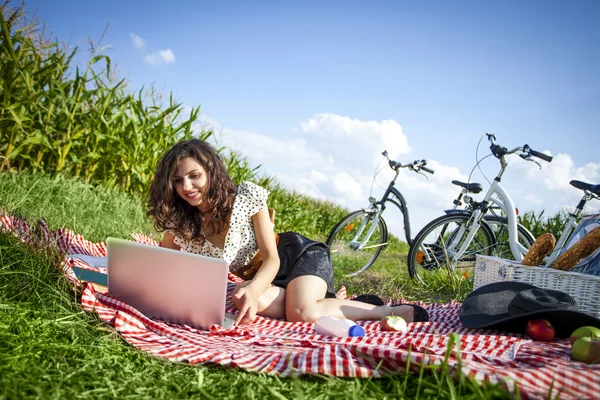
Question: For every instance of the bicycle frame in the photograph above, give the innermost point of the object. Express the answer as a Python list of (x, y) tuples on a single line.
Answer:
[(401, 204), (377, 208), (499, 197)]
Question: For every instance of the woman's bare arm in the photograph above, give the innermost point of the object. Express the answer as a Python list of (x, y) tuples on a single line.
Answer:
[(263, 229), (169, 241), (246, 297)]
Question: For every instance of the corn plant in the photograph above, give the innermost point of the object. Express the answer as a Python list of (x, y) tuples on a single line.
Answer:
[(538, 224), (79, 121)]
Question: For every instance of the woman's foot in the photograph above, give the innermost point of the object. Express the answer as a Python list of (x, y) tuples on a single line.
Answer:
[(419, 314)]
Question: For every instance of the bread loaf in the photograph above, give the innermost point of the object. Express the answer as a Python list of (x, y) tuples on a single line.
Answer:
[(538, 250), (580, 250)]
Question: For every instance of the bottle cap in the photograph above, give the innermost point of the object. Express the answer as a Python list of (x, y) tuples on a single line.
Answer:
[(356, 330)]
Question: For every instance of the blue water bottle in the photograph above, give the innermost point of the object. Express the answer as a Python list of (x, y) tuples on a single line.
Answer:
[(331, 326)]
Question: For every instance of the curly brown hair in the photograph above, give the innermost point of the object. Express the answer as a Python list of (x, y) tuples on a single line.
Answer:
[(174, 213)]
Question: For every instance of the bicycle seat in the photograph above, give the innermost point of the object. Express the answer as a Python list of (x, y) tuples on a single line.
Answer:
[(471, 187), (586, 186)]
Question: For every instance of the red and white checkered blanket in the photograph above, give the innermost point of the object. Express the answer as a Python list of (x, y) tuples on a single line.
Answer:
[(539, 370)]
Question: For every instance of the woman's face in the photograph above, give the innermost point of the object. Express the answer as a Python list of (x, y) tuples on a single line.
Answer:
[(190, 181)]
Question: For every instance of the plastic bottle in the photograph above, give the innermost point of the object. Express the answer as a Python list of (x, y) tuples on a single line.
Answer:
[(332, 326)]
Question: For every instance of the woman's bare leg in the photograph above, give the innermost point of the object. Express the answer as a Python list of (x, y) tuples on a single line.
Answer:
[(305, 301), (271, 303)]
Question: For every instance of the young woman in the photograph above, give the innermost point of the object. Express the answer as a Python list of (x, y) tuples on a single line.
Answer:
[(198, 207)]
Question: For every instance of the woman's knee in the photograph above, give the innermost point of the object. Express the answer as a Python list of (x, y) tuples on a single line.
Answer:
[(302, 298), (273, 295), (302, 313)]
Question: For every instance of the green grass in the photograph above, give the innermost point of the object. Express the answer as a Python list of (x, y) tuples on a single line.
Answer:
[(51, 348), (388, 278), (92, 211)]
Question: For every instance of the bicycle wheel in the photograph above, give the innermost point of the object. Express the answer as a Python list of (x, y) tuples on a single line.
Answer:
[(499, 226), (353, 250), (435, 247)]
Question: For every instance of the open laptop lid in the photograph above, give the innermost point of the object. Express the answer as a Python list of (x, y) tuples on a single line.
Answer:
[(166, 284)]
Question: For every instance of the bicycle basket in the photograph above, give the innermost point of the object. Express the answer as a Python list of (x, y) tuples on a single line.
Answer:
[(584, 288)]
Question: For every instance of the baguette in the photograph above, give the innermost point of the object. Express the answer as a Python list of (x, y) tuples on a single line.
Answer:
[(580, 250), (538, 250)]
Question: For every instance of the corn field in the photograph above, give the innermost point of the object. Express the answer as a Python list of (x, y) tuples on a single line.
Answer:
[(538, 224), (57, 118), (82, 122)]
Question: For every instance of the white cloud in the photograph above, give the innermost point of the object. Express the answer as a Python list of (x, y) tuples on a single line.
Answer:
[(347, 187), (550, 184), (317, 177), (533, 199), (137, 41), (365, 139), (161, 57), (335, 158)]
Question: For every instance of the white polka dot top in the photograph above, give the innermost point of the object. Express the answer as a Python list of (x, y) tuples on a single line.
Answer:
[(240, 241)]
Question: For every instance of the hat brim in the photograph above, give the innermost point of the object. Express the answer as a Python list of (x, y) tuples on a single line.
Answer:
[(564, 322), (489, 307)]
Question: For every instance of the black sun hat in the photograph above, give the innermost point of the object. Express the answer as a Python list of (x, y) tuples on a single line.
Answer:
[(508, 306)]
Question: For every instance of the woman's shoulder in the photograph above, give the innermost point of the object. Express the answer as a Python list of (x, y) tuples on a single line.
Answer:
[(251, 189), (250, 199)]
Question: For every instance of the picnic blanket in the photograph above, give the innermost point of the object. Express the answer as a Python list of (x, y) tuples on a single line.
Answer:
[(535, 369)]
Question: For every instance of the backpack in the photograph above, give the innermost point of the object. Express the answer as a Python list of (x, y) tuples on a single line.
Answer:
[(591, 264)]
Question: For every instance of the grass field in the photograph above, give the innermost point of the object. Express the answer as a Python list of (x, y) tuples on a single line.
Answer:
[(51, 348)]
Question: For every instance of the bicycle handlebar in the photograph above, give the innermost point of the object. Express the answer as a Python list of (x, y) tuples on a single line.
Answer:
[(543, 156), (416, 166), (499, 151), (427, 170)]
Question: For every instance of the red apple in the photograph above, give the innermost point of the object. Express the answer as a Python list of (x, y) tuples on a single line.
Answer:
[(540, 329), (585, 331), (587, 350), (393, 323)]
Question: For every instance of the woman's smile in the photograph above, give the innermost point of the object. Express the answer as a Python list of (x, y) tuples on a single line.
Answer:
[(192, 195), (190, 180)]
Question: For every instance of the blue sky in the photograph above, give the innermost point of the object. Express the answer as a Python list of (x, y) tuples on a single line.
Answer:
[(315, 90)]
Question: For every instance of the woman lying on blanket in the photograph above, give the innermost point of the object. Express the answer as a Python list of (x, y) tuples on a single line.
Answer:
[(195, 202)]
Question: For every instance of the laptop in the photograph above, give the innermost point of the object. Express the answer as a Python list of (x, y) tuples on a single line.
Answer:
[(166, 284)]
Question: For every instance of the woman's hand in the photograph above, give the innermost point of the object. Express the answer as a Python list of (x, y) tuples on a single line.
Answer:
[(246, 300)]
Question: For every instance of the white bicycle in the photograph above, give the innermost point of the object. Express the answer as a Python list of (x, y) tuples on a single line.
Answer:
[(453, 240), (590, 192), (497, 222)]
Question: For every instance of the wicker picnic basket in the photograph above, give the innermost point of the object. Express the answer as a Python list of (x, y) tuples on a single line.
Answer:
[(585, 289)]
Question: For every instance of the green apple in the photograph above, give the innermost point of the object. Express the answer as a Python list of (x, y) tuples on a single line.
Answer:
[(587, 350), (393, 323), (585, 331)]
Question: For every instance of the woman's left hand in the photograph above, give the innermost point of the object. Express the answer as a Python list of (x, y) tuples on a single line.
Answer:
[(246, 301)]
